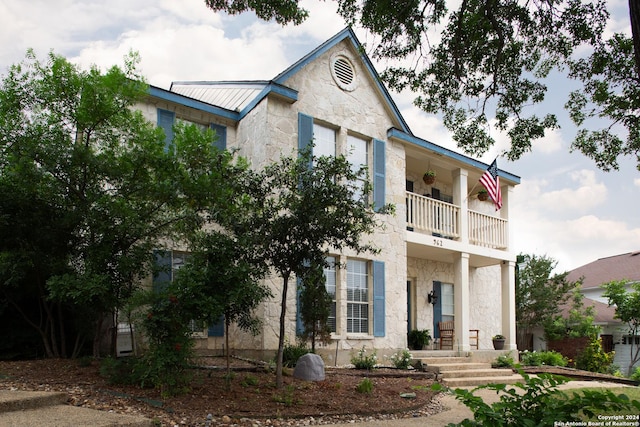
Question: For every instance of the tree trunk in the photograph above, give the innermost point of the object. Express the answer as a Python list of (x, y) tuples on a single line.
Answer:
[(634, 15), (283, 312), (226, 340)]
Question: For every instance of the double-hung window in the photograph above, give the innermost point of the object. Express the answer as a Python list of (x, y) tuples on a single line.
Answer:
[(357, 297), (324, 140), (358, 157), (330, 285)]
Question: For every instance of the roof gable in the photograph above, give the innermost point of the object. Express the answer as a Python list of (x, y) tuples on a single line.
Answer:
[(619, 267), (347, 35)]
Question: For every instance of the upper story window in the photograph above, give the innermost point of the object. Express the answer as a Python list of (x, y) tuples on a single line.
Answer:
[(324, 140), (358, 157)]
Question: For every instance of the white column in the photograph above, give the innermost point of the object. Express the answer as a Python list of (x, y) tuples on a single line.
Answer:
[(460, 177), (509, 304), (461, 302)]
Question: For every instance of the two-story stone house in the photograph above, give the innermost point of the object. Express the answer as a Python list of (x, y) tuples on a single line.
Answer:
[(441, 239)]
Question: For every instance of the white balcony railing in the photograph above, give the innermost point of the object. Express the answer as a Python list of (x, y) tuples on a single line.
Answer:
[(432, 216), (427, 215), (487, 230)]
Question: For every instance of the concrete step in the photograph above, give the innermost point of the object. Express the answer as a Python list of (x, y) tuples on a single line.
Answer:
[(442, 360), (456, 366), (477, 381), (476, 373), (25, 409)]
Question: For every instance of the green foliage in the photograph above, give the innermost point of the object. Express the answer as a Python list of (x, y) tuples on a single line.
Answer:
[(165, 365), (401, 359), (306, 210), (365, 386), (362, 360), (537, 402), (315, 306), (249, 381), (593, 358), (292, 352), (636, 374), (119, 371), (286, 397), (503, 361), (491, 62), (578, 324), (93, 191), (418, 338), (538, 292), (627, 303), (542, 358)]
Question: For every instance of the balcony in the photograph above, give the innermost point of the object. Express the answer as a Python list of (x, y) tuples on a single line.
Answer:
[(434, 217)]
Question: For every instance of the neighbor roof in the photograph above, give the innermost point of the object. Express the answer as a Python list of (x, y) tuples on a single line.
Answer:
[(618, 267)]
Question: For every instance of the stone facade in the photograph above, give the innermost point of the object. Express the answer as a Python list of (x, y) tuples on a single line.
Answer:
[(482, 275)]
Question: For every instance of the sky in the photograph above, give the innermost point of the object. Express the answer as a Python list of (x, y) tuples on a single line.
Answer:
[(564, 208)]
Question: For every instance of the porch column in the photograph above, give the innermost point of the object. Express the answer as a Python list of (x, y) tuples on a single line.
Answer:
[(509, 304), (461, 302), (460, 177)]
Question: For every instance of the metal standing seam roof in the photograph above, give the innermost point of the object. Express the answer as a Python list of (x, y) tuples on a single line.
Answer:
[(234, 96)]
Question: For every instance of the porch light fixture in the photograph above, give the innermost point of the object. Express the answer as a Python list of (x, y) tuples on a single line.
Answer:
[(432, 297)]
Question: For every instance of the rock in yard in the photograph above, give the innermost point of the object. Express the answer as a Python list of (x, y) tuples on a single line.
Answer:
[(309, 367)]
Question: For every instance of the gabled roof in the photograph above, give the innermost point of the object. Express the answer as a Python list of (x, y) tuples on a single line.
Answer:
[(604, 314), (618, 267), (243, 96), (347, 35)]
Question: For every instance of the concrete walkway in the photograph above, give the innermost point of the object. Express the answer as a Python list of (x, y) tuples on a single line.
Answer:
[(456, 412)]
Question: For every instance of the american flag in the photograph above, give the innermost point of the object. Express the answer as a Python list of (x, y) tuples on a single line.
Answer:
[(491, 182)]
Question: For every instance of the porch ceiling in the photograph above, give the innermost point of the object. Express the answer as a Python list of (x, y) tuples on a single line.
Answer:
[(447, 255)]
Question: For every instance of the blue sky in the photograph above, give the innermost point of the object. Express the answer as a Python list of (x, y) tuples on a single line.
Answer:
[(565, 208)]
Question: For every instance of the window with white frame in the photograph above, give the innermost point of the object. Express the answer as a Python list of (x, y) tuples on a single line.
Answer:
[(178, 260), (447, 302), (358, 157), (330, 285), (357, 297), (324, 139)]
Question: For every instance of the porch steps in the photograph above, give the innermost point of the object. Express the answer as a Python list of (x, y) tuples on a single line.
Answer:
[(460, 371), (36, 408)]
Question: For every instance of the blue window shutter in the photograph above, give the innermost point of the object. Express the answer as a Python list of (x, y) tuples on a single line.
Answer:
[(162, 271), (437, 308), (379, 165), (378, 299), (165, 121), (299, 324), (221, 136), (305, 132), (217, 329)]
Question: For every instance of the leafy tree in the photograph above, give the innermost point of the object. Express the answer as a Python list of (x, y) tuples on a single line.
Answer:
[(627, 304), (308, 211), (315, 306), (223, 279), (480, 64), (579, 322), (94, 187), (538, 293)]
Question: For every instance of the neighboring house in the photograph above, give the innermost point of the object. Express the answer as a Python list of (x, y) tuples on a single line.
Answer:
[(593, 275), (441, 237)]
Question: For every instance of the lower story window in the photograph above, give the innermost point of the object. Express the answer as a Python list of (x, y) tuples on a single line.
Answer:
[(357, 297), (330, 284)]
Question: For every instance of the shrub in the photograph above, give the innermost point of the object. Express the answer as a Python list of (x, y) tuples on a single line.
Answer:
[(539, 404), (292, 352), (364, 361), (636, 374), (503, 361), (542, 358), (118, 371), (365, 386), (401, 359), (593, 358)]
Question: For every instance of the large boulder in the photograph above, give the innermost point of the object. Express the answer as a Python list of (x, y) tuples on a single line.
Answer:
[(309, 367)]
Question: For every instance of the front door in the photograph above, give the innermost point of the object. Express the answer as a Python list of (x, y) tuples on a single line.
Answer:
[(443, 309)]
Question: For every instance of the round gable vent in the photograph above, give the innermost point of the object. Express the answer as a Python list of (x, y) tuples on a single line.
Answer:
[(343, 73)]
